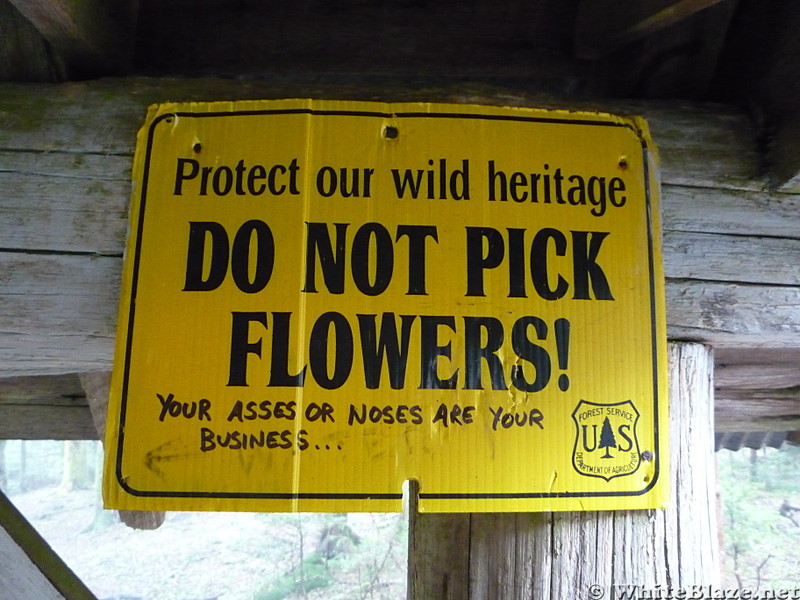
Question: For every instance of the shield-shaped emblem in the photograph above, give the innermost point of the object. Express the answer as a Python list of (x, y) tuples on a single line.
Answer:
[(606, 441)]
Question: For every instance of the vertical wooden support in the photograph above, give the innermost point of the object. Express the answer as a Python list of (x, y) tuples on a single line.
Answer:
[(28, 566), (548, 556), (96, 386)]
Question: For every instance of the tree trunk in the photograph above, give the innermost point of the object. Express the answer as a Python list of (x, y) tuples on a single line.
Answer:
[(75, 474), (545, 556)]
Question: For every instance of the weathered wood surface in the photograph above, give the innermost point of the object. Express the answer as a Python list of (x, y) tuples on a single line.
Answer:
[(755, 392), (44, 408), (46, 422), (29, 569), (758, 410), (96, 386), (561, 555), (759, 369), (701, 145), (65, 160)]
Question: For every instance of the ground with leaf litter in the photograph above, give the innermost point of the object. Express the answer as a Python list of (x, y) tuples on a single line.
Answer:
[(222, 556)]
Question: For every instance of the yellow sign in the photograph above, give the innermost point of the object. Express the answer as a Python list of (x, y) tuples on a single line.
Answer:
[(322, 300)]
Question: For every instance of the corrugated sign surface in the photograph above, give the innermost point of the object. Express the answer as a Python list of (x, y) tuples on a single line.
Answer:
[(324, 299)]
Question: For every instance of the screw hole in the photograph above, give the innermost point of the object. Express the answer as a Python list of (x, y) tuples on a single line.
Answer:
[(198, 147), (647, 455), (390, 132), (623, 162)]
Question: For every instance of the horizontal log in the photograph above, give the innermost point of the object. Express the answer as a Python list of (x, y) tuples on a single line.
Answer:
[(730, 212), (731, 258), (700, 145), (731, 252), (54, 390), (45, 408), (55, 407), (757, 410), (765, 368), (733, 315), (62, 312), (60, 422), (64, 202), (46, 422), (57, 311)]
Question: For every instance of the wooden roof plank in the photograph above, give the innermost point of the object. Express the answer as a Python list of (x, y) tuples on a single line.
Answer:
[(92, 37), (606, 25)]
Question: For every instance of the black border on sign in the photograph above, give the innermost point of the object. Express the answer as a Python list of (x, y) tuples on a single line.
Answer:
[(384, 495)]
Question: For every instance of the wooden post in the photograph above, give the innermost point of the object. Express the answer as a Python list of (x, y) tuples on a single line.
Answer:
[(28, 566), (96, 386), (545, 556)]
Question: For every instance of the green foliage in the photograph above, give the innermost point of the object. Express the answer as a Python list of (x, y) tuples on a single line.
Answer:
[(758, 538), (337, 557), (311, 575), (778, 471)]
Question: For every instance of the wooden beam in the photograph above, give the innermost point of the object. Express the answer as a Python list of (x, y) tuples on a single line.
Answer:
[(566, 554), (777, 90), (46, 422), (92, 37), (44, 408), (761, 369), (740, 407), (29, 568), (24, 54), (757, 410), (730, 247), (53, 390), (606, 25), (760, 69), (97, 387)]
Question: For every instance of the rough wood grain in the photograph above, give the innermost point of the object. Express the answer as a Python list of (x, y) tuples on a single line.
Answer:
[(65, 159), (445, 572), (44, 408), (757, 410), (20, 576), (58, 312), (760, 369), (550, 556), (64, 202), (732, 258), (96, 386), (52, 390), (739, 315), (701, 145)]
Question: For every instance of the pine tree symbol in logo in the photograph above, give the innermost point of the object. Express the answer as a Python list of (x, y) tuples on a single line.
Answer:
[(607, 439)]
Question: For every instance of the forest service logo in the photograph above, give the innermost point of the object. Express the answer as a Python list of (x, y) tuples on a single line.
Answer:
[(606, 443)]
